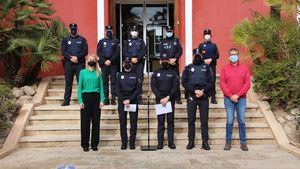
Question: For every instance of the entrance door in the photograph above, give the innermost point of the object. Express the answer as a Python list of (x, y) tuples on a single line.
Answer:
[(152, 19)]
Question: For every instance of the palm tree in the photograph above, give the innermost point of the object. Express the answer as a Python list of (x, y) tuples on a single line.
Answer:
[(29, 39)]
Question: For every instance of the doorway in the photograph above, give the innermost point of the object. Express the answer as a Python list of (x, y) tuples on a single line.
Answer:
[(151, 19)]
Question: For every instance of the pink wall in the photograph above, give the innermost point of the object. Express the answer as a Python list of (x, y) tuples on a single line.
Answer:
[(82, 12), (221, 16)]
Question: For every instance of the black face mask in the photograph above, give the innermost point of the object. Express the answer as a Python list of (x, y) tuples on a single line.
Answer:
[(73, 32), (91, 63), (197, 60), (165, 65), (127, 66), (109, 34)]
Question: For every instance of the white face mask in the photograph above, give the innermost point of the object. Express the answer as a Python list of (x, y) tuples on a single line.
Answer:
[(169, 34), (207, 37), (134, 33)]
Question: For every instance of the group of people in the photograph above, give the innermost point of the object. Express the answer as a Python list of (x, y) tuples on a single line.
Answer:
[(94, 73)]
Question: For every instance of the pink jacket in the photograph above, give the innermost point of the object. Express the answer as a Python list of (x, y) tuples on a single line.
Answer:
[(235, 80)]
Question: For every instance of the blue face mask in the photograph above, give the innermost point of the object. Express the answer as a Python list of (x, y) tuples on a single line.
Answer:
[(169, 34), (234, 58)]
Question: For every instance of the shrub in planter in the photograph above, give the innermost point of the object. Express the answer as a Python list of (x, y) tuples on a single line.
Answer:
[(8, 107)]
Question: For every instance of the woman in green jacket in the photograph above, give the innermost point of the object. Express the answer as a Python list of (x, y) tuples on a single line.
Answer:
[(90, 98)]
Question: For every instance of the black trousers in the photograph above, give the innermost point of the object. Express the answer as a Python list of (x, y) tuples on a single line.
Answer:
[(161, 124), (139, 69), (123, 122), (70, 71), (192, 106), (109, 73), (91, 112), (178, 93), (213, 91)]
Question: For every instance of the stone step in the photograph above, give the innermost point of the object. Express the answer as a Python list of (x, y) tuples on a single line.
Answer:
[(112, 129), (180, 139), (142, 119), (74, 100), (62, 77), (145, 87), (56, 109), (60, 93)]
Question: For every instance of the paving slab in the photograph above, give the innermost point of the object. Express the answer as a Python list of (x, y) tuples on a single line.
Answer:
[(258, 157)]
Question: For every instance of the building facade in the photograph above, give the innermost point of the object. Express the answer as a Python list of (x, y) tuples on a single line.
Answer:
[(188, 17)]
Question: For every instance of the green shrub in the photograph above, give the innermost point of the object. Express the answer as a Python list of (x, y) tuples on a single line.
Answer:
[(280, 81), (8, 107), (274, 46)]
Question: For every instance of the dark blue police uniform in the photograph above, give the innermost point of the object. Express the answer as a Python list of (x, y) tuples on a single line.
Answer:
[(109, 49), (197, 77), (136, 48), (127, 88), (165, 82), (73, 46)]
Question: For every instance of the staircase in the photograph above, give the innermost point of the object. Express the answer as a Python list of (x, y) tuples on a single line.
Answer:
[(54, 126)]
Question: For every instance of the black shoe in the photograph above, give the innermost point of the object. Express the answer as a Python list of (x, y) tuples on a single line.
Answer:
[(95, 148), (205, 146), (190, 146), (178, 101), (160, 146), (65, 103), (132, 145), (106, 102), (213, 100), (124, 146), (171, 145), (113, 102), (85, 149)]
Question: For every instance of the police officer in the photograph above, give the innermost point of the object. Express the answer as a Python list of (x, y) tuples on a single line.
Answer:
[(172, 48), (108, 51), (74, 48), (197, 79), (135, 49), (210, 58), (164, 84), (127, 89)]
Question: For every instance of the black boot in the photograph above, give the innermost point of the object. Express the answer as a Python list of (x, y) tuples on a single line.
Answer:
[(106, 102), (85, 149), (65, 103), (113, 101), (160, 145), (171, 145), (191, 145), (205, 145), (124, 146), (132, 145), (178, 101), (213, 100)]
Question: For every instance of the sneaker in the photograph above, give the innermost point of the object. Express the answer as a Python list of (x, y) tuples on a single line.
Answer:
[(244, 147), (227, 146)]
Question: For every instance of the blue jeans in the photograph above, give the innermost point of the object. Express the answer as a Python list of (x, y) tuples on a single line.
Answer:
[(240, 108)]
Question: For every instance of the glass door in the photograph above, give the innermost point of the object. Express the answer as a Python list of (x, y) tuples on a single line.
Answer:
[(156, 21), (151, 19)]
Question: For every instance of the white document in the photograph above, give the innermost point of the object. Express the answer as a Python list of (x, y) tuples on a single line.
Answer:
[(160, 109), (131, 108), (158, 31)]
